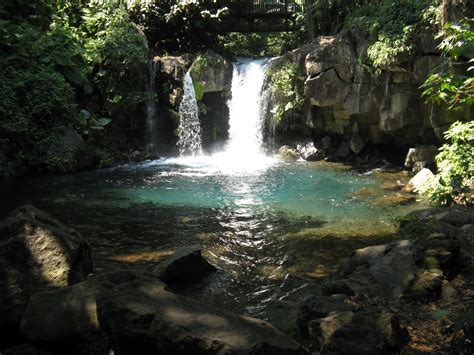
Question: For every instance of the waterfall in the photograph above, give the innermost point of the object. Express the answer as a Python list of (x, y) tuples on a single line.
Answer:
[(245, 109), (151, 102), (189, 130)]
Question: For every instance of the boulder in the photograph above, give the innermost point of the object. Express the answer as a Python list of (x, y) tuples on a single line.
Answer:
[(326, 143), (423, 154), (288, 154), (36, 253), (185, 263), (419, 181), (143, 318), (309, 152)]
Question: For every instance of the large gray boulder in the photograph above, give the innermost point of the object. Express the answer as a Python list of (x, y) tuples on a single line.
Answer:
[(37, 253), (142, 317), (309, 152)]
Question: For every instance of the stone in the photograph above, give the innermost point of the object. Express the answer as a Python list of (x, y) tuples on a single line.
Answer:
[(287, 153), (309, 152), (425, 154), (343, 149), (185, 263), (66, 316), (143, 318), (448, 292), (419, 181), (36, 253), (427, 286), (356, 144)]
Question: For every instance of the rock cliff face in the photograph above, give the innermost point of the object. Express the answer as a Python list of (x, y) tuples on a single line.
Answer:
[(348, 99)]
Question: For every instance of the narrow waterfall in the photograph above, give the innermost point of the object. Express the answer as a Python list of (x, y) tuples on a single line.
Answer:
[(245, 109), (189, 130), (151, 103)]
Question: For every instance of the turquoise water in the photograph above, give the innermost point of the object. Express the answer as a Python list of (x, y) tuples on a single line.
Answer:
[(270, 230)]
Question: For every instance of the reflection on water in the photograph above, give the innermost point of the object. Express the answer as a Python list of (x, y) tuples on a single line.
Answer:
[(267, 231)]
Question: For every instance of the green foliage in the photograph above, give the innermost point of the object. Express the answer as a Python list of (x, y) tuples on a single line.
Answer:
[(392, 27), (452, 183), (118, 54), (287, 88), (450, 84)]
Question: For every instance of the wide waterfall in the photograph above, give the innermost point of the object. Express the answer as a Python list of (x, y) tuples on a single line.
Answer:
[(189, 130)]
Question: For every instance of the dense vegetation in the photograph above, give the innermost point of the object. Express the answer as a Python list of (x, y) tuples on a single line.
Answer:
[(67, 68)]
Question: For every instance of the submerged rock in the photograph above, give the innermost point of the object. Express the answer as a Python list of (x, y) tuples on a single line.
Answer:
[(36, 253), (185, 263)]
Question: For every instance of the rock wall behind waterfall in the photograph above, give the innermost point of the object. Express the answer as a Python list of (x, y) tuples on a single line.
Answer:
[(212, 83), (348, 100)]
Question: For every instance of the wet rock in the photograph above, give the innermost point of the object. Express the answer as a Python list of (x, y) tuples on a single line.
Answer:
[(144, 318), (356, 144), (288, 154), (418, 182), (63, 317), (423, 154), (396, 199), (36, 253), (212, 71), (389, 186), (185, 263), (309, 152)]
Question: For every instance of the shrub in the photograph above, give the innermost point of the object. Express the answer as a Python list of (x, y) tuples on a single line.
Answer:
[(455, 177), (287, 88)]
